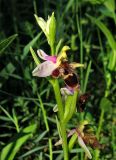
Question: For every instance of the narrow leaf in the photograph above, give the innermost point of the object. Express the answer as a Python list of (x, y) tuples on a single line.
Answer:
[(31, 43), (36, 59), (5, 43), (9, 152)]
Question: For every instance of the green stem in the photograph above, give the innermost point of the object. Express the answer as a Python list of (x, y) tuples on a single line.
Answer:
[(43, 112), (61, 116), (52, 50), (81, 57), (100, 123), (79, 27), (97, 151), (58, 98), (50, 149)]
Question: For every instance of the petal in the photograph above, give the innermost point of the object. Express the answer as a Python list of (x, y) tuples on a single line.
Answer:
[(62, 54), (55, 109), (46, 57), (42, 54), (42, 23), (71, 132), (76, 65), (58, 142), (44, 69), (82, 144), (51, 58)]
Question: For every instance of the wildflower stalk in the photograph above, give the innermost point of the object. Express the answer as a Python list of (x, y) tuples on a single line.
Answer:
[(61, 116), (46, 69), (50, 149), (97, 152), (52, 50)]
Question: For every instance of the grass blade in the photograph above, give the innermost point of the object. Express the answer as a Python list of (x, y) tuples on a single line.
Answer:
[(87, 77), (5, 43), (9, 152), (31, 43)]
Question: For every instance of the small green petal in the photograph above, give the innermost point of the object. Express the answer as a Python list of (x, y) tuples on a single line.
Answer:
[(42, 23), (62, 54)]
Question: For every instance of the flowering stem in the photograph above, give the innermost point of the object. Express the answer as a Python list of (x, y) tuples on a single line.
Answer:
[(50, 149), (97, 152), (98, 132), (61, 116)]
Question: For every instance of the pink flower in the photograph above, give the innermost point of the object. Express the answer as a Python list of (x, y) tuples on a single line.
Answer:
[(46, 68), (52, 65)]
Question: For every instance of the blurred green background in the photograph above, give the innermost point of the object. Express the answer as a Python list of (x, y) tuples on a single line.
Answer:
[(89, 28)]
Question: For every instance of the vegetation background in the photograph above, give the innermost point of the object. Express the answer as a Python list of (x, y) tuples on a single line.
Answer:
[(89, 28)]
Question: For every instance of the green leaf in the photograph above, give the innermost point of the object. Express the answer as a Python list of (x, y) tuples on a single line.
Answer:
[(87, 76), (9, 69), (111, 41), (41, 136), (6, 72), (105, 30), (5, 43), (58, 46), (68, 6), (73, 42), (110, 4), (8, 115), (36, 59), (43, 112), (15, 118), (94, 2), (72, 141), (32, 151), (107, 13), (9, 152), (105, 104), (31, 43), (70, 107), (42, 23), (52, 30), (112, 61)]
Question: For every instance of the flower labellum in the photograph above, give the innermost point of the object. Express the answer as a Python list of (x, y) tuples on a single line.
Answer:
[(82, 144)]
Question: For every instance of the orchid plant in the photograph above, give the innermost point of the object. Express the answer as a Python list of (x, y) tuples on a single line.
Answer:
[(52, 69)]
